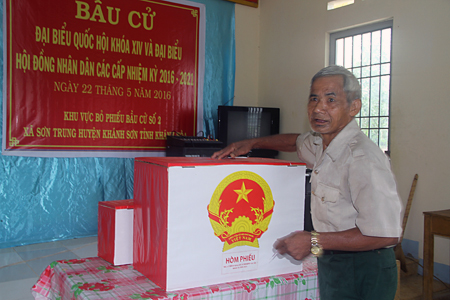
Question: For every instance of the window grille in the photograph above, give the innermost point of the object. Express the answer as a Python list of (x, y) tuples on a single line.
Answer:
[(366, 51)]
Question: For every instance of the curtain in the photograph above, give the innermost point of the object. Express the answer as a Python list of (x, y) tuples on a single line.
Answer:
[(47, 199)]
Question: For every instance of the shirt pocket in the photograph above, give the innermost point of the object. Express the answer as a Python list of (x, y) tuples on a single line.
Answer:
[(325, 208), (326, 193)]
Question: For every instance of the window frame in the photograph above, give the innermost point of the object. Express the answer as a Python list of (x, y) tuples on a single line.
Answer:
[(361, 30)]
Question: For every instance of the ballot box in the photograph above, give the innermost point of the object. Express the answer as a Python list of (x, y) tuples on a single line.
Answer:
[(115, 231), (200, 221)]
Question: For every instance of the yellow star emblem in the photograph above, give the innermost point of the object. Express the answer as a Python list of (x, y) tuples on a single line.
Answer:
[(243, 193)]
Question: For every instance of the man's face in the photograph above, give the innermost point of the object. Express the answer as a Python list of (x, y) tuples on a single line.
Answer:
[(328, 109)]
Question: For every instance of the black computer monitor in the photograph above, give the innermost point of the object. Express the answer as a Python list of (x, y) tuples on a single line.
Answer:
[(243, 122)]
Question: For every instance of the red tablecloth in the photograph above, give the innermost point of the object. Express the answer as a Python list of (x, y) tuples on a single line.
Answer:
[(94, 278)]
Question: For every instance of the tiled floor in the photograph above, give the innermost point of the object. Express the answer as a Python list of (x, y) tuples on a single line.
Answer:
[(20, 267)]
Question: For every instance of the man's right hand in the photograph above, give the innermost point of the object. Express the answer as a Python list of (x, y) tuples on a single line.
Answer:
[(234, 150), (280, 142)]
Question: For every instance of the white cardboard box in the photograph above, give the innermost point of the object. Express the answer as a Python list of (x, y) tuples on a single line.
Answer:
[(115, 231), (200, 221)]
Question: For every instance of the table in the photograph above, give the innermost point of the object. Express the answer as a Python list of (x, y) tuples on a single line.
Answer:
[(436, 222), (94, 278)]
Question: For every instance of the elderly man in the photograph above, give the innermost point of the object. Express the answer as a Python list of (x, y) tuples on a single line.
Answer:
[(355, 206)]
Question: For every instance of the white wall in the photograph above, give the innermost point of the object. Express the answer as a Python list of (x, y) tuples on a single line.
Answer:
[(289, 45), (247, 56)]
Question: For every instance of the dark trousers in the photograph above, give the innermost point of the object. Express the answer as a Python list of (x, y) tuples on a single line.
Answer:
[(358, 275)]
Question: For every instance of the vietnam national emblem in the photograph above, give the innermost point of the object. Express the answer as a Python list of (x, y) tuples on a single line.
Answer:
[(240, 209)]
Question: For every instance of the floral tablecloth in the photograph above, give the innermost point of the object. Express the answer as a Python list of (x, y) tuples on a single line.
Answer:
[(94, 278)]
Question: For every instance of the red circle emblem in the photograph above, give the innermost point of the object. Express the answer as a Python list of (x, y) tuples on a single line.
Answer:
[(240, 209)]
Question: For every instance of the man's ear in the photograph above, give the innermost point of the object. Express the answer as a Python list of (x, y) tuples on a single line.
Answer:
[(355, 107)]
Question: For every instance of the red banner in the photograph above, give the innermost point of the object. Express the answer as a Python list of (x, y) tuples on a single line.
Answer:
[(90, 77)]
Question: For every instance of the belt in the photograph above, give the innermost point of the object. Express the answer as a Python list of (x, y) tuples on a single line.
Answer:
[(334, 252)]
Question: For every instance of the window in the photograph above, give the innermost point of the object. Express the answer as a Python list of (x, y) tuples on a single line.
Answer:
[(366, 51)]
